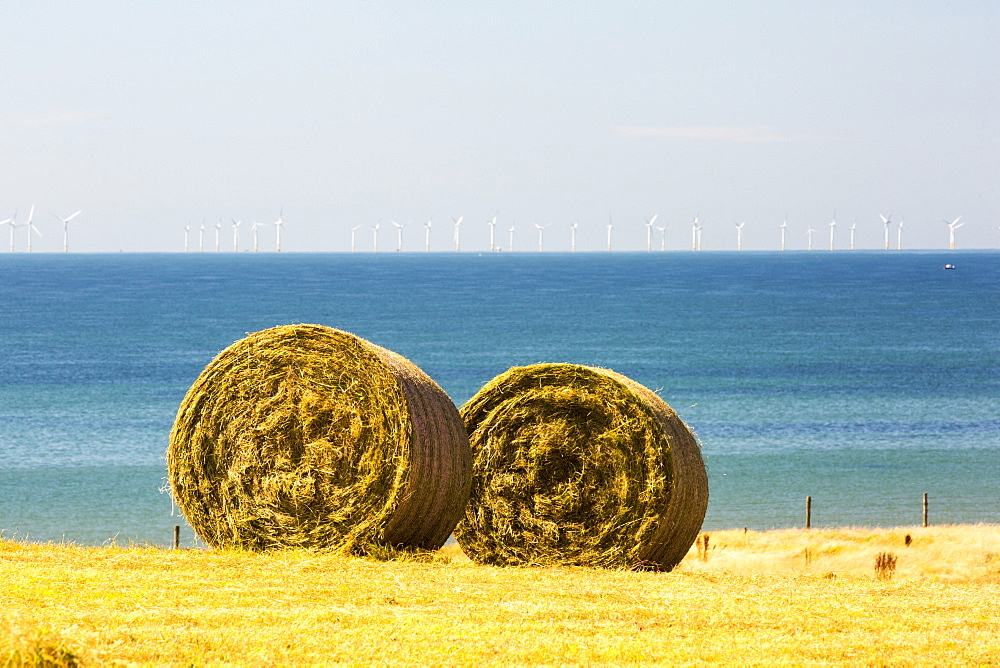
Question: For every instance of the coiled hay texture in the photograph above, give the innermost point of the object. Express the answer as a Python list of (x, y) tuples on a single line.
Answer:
[(306, 436), (577, 465)]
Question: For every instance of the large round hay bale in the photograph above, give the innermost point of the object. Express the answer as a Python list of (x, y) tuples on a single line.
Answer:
[(305, 436), (577, 465)]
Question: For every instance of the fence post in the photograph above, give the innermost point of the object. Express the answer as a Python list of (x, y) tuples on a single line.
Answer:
[(926, 523), (809, 510), (177, 536)]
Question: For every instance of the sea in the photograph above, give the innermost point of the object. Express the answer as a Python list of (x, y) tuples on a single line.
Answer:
[(863, 380)]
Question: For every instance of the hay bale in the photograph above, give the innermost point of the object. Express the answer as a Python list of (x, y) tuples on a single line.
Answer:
[(577, 465), (305, 436)]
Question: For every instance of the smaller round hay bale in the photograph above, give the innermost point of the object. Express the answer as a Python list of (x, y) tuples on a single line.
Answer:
[(577, 465), (306, 436)]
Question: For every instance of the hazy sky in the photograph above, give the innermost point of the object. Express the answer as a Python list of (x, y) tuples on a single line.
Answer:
[(150, 116)]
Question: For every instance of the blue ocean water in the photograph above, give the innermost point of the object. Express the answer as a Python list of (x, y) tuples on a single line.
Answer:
[(862, 379)]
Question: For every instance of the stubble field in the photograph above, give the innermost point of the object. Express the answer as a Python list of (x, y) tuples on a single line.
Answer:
[(788, 596)]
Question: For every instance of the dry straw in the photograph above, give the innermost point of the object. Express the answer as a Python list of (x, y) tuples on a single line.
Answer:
[(578, 465), (305, 436)]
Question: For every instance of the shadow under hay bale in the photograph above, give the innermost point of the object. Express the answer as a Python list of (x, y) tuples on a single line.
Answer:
[(578, 465), (306, 436)]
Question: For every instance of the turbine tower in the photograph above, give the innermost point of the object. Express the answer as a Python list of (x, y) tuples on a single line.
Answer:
[(649, 232), (952, 226), (354, 231), (458, 232), (218, 230), (236, 234), (899, 235), (31, 226), (201, 237), (853, 225), (610, 226), (833, 224), (663, 237), (510, 246), (810, 234), (253, 228), (739, 235), (375, 236), (694, 234), (278, 224), (187, 231), (427, 235), (493, 225), (541, 231), (886, 220), (572, 236), (65, 223), (783, 226), (399, 234)]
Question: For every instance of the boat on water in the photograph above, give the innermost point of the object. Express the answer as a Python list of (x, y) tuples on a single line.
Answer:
[(948, 266)]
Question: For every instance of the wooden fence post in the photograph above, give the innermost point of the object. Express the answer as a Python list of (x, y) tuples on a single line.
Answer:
[(926, 523), (177, 536), (809, 510)]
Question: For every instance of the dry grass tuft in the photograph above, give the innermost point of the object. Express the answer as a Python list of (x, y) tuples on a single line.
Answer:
[(577, 465), (305, 436), (885, 565), (37, 647)]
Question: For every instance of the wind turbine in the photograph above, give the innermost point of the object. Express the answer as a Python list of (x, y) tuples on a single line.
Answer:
[(952, 226), (458, 232), (694, 234), (510, 246), (236, 234), (572, 236), (541, 230), (739, 235), (187, 231), (31, 226), (278, 224), (886, 220), (253, 228), (201, 237), (375, 236), (218, 230), (13, 224), (492, 224), (610, 226), (65, 222), (899, 235), (663, 237), (399, 234), (649, 232), (833, 224), (783, 226), (853, 225), (809, 234), (353, 233), (427, 235)]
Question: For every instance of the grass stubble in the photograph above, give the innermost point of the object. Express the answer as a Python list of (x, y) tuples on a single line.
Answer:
[(787, 596)]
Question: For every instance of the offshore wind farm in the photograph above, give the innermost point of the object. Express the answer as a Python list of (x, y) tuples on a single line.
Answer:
[(636, 235)]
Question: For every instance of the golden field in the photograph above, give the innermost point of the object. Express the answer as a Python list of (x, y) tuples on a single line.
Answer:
[(777, 597)]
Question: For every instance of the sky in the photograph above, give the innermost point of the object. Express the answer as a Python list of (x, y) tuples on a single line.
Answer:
[(157, 115)]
